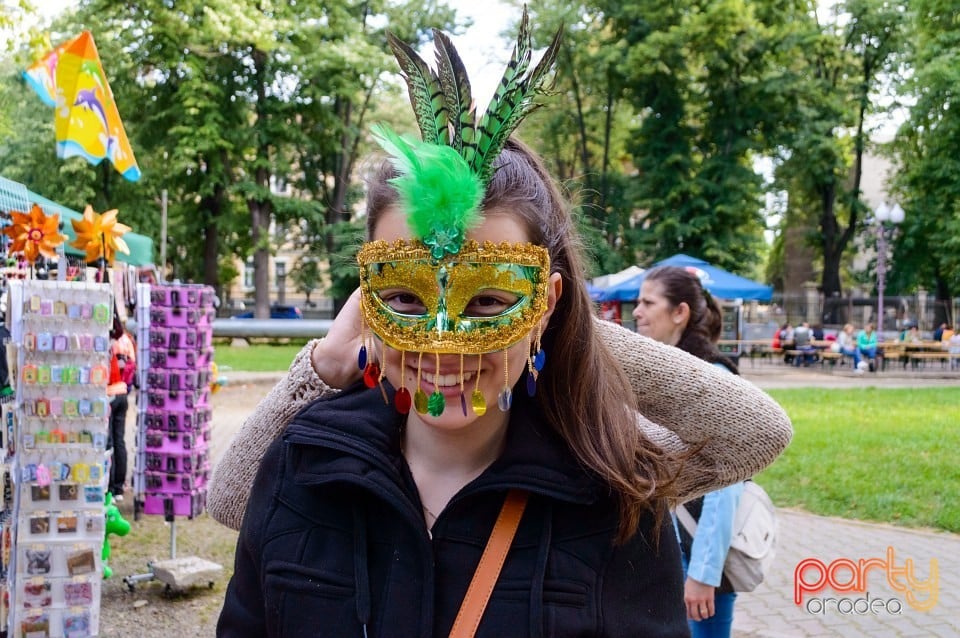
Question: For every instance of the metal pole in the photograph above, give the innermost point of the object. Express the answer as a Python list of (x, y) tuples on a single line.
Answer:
[(881, 276), (163, 234)]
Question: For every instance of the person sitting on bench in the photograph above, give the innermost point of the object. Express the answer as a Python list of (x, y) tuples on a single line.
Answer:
[(801, 342)]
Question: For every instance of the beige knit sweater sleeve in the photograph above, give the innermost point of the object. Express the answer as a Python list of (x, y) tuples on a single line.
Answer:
[(686, 404)]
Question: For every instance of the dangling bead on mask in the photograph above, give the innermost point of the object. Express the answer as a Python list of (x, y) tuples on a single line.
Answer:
[(371, 369), (463, 397), (419, 397), (505, 398), (383, 372), (436, 403), (402, 399), (477, 401), (362, 356), (536, 359)]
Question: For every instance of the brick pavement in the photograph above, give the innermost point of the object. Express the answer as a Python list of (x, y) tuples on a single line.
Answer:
[(770, 610)]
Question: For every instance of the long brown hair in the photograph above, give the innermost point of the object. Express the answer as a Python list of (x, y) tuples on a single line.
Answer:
[(702, 332), (583, 391)]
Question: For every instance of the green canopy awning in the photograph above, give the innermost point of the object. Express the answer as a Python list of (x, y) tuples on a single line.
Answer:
[(14, 196)]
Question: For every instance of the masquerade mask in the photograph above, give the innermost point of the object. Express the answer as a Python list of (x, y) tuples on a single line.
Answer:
[(438, 293), (482, 299)]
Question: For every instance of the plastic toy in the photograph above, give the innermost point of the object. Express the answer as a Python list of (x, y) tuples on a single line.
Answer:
[(116, 524)]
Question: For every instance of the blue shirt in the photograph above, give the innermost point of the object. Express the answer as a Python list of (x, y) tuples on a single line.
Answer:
[(714, 533)]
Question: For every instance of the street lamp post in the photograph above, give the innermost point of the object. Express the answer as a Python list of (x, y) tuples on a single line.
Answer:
[(882, 215)]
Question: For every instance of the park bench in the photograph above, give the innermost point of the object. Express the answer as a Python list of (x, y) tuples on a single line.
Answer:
[(815, 355), (761, 351), (919, 359), (831, 357)]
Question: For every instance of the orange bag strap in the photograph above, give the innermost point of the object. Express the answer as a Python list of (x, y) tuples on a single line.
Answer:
[(491, 562)]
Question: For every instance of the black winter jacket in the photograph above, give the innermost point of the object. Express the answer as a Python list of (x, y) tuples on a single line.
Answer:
[(334, 542)]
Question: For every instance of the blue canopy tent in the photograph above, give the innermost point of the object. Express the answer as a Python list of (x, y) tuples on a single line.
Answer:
[(593, 291), (720, 283)]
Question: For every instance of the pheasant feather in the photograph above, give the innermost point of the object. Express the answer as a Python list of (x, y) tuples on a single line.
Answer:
[(461, 110), (426, 93), (514, 99), (438, 190)]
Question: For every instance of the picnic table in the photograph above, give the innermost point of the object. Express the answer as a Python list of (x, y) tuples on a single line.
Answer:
[(752, 348), (914, 355), (918, 353)]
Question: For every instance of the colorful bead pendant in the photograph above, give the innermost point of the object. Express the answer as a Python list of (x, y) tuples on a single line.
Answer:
[(539, 360), (463, 403), (436, 403), (531, 384), (504, 399), (402, 401), (478, 403), (420, 401), (371, 375), (362, 358)]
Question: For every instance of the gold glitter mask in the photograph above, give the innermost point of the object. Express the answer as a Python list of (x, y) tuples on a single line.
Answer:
[(484, 298)]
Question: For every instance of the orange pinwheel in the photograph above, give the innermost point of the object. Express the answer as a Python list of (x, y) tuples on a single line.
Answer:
[(34, 234), (99, 235)]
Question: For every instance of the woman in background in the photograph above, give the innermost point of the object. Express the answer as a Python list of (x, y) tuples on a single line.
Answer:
[(867, 345), (675, 309), (847, 341)]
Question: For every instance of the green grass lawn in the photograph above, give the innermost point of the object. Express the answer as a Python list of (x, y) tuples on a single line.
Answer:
[(889, 455), (256, 357)]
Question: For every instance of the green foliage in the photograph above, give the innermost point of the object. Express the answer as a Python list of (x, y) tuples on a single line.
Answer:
[(306, 275), (840, 67), (253, 116), (871, 454), (225, 100), (705, 81), (928, 246)]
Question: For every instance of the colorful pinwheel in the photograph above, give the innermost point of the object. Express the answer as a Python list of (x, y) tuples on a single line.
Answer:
[(34, 234), (99, 235)]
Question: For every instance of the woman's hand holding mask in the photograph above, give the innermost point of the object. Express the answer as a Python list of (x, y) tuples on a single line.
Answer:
[(335, 358)]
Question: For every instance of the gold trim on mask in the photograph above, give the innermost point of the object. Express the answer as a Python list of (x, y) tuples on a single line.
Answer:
[(478, 266)]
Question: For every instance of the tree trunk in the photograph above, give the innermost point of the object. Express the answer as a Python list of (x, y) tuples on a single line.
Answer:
[(832, 244), (261, 209), (943, 307), (259, 227), (212, 205)]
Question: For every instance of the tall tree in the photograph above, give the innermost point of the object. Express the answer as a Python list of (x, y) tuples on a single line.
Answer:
[(583, 133), (844, 61), (705, 80), (928, 248), (250, 113)]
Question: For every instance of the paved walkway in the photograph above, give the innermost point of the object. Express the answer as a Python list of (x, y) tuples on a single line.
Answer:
[(770, 611)]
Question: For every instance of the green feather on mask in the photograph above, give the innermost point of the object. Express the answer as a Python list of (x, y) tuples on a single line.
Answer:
[(438, 190)]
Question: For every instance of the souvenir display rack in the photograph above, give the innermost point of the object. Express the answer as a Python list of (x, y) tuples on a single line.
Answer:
[(55, 442), (175, 352), (175, 332)]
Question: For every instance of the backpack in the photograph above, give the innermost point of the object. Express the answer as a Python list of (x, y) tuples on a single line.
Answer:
[(754, 542)]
